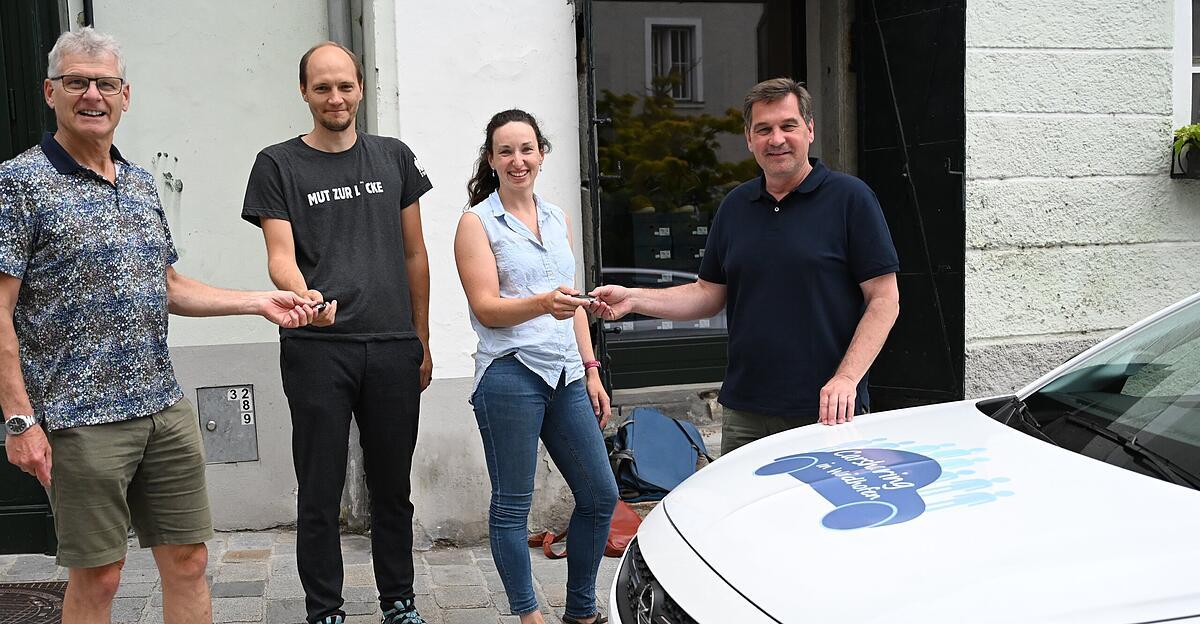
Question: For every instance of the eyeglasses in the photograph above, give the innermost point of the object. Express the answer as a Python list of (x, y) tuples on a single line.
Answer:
[(78, 85)]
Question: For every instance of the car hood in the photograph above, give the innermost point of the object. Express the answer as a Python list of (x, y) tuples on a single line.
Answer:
[(940, 513)]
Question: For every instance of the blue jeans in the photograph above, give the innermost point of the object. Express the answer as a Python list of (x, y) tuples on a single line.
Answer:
[(514, 407)]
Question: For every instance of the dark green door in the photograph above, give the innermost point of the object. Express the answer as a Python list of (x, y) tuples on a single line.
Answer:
[(28, 29)]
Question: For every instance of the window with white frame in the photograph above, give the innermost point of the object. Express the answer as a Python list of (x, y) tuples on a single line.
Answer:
[(673, 57)]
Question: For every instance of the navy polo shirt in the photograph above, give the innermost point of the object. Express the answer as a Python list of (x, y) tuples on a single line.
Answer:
[(792, 269)]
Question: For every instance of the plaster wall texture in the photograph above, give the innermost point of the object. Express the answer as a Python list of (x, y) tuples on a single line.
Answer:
[(1074, 229), (1059, 24)]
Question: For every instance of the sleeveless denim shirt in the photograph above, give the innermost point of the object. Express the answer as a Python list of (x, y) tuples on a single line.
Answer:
[(527, 267)]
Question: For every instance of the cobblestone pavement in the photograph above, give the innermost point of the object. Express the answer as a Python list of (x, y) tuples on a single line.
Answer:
[(253, 577)]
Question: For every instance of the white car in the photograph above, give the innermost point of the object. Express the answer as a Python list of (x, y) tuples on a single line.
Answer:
[(1073, 501)]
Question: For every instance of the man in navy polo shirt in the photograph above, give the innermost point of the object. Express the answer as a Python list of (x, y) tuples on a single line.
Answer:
[(803, 262), (91, 404)]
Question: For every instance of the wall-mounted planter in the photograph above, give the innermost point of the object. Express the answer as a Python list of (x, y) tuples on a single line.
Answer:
[(1186, 163)]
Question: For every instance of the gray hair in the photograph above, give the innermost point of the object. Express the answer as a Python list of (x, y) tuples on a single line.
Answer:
[(85, 42)]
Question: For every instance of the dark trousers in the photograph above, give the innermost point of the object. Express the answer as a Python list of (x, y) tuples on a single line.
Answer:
[(379, 383)]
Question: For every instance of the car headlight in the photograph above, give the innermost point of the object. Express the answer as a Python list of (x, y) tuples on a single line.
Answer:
[(640, 598)]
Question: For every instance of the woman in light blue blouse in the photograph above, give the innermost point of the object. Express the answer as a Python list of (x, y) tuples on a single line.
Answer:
[(535, 374)]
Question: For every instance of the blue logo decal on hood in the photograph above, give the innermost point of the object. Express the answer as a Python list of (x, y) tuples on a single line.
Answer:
[(868, 487), (875, 482)]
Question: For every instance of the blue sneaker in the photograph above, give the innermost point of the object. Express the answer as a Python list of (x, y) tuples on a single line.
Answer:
[(402, 612), (336, 618)]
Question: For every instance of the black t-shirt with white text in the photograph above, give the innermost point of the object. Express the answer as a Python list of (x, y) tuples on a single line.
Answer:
[(344, 209)]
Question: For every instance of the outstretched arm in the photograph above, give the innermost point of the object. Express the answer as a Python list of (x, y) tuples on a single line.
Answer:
[(700, 299), (189, 297)]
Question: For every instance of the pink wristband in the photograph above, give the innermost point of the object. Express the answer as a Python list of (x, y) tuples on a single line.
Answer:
[(591, 364)]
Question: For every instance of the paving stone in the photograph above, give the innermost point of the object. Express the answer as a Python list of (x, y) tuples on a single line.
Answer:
[(354, 557), (237, 610), (286, 611), (493, 581), (152, 615), (135, 590), (455, 575), (139, 559), (500, 601), (252, 571), (127, 610), (284, 549), (285, 537), (284, 586), (356, 543), (422, 584), (257, 554), (472, 616), (251, 541), (360, 594), (285, 564), (556, 594), (361, 608), (147, 575), (33, 566), (429, 609), (449, 556), (237, 589), (463, 596), (359, 575)]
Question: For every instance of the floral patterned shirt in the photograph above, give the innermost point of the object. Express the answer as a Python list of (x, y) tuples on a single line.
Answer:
[(91, 313)]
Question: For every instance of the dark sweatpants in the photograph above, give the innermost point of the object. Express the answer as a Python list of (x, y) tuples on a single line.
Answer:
[(379, 382)]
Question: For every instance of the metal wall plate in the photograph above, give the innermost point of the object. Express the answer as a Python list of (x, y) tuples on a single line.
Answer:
[(227, 423)]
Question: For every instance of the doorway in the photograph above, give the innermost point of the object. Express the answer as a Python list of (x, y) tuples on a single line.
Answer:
[(28, 29)]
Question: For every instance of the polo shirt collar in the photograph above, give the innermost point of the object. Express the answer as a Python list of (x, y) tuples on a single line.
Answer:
[(809, 184), (63, 162)]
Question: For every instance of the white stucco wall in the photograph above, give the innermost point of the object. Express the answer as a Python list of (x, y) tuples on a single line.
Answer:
[(1074, 229)]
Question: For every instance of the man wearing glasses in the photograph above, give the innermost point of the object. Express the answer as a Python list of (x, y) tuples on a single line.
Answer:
[(86, 284)]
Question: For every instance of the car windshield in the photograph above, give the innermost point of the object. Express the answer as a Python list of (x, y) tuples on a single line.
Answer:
[(1140, 393)]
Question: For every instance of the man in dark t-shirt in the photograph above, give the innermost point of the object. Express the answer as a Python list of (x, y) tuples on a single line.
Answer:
[(802, 260), (341, 216)]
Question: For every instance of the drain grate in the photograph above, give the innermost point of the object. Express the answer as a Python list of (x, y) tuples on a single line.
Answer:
[(32, 603)]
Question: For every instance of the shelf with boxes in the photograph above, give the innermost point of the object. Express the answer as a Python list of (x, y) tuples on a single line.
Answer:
[(669, 240)]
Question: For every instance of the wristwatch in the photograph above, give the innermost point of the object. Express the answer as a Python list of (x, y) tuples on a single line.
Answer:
[(19, 423)]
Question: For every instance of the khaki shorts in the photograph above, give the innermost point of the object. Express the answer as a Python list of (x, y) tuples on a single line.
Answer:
[(148, 472), (739, 427)]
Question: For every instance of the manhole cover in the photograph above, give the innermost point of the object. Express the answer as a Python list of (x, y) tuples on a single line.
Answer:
[(31, 603)]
